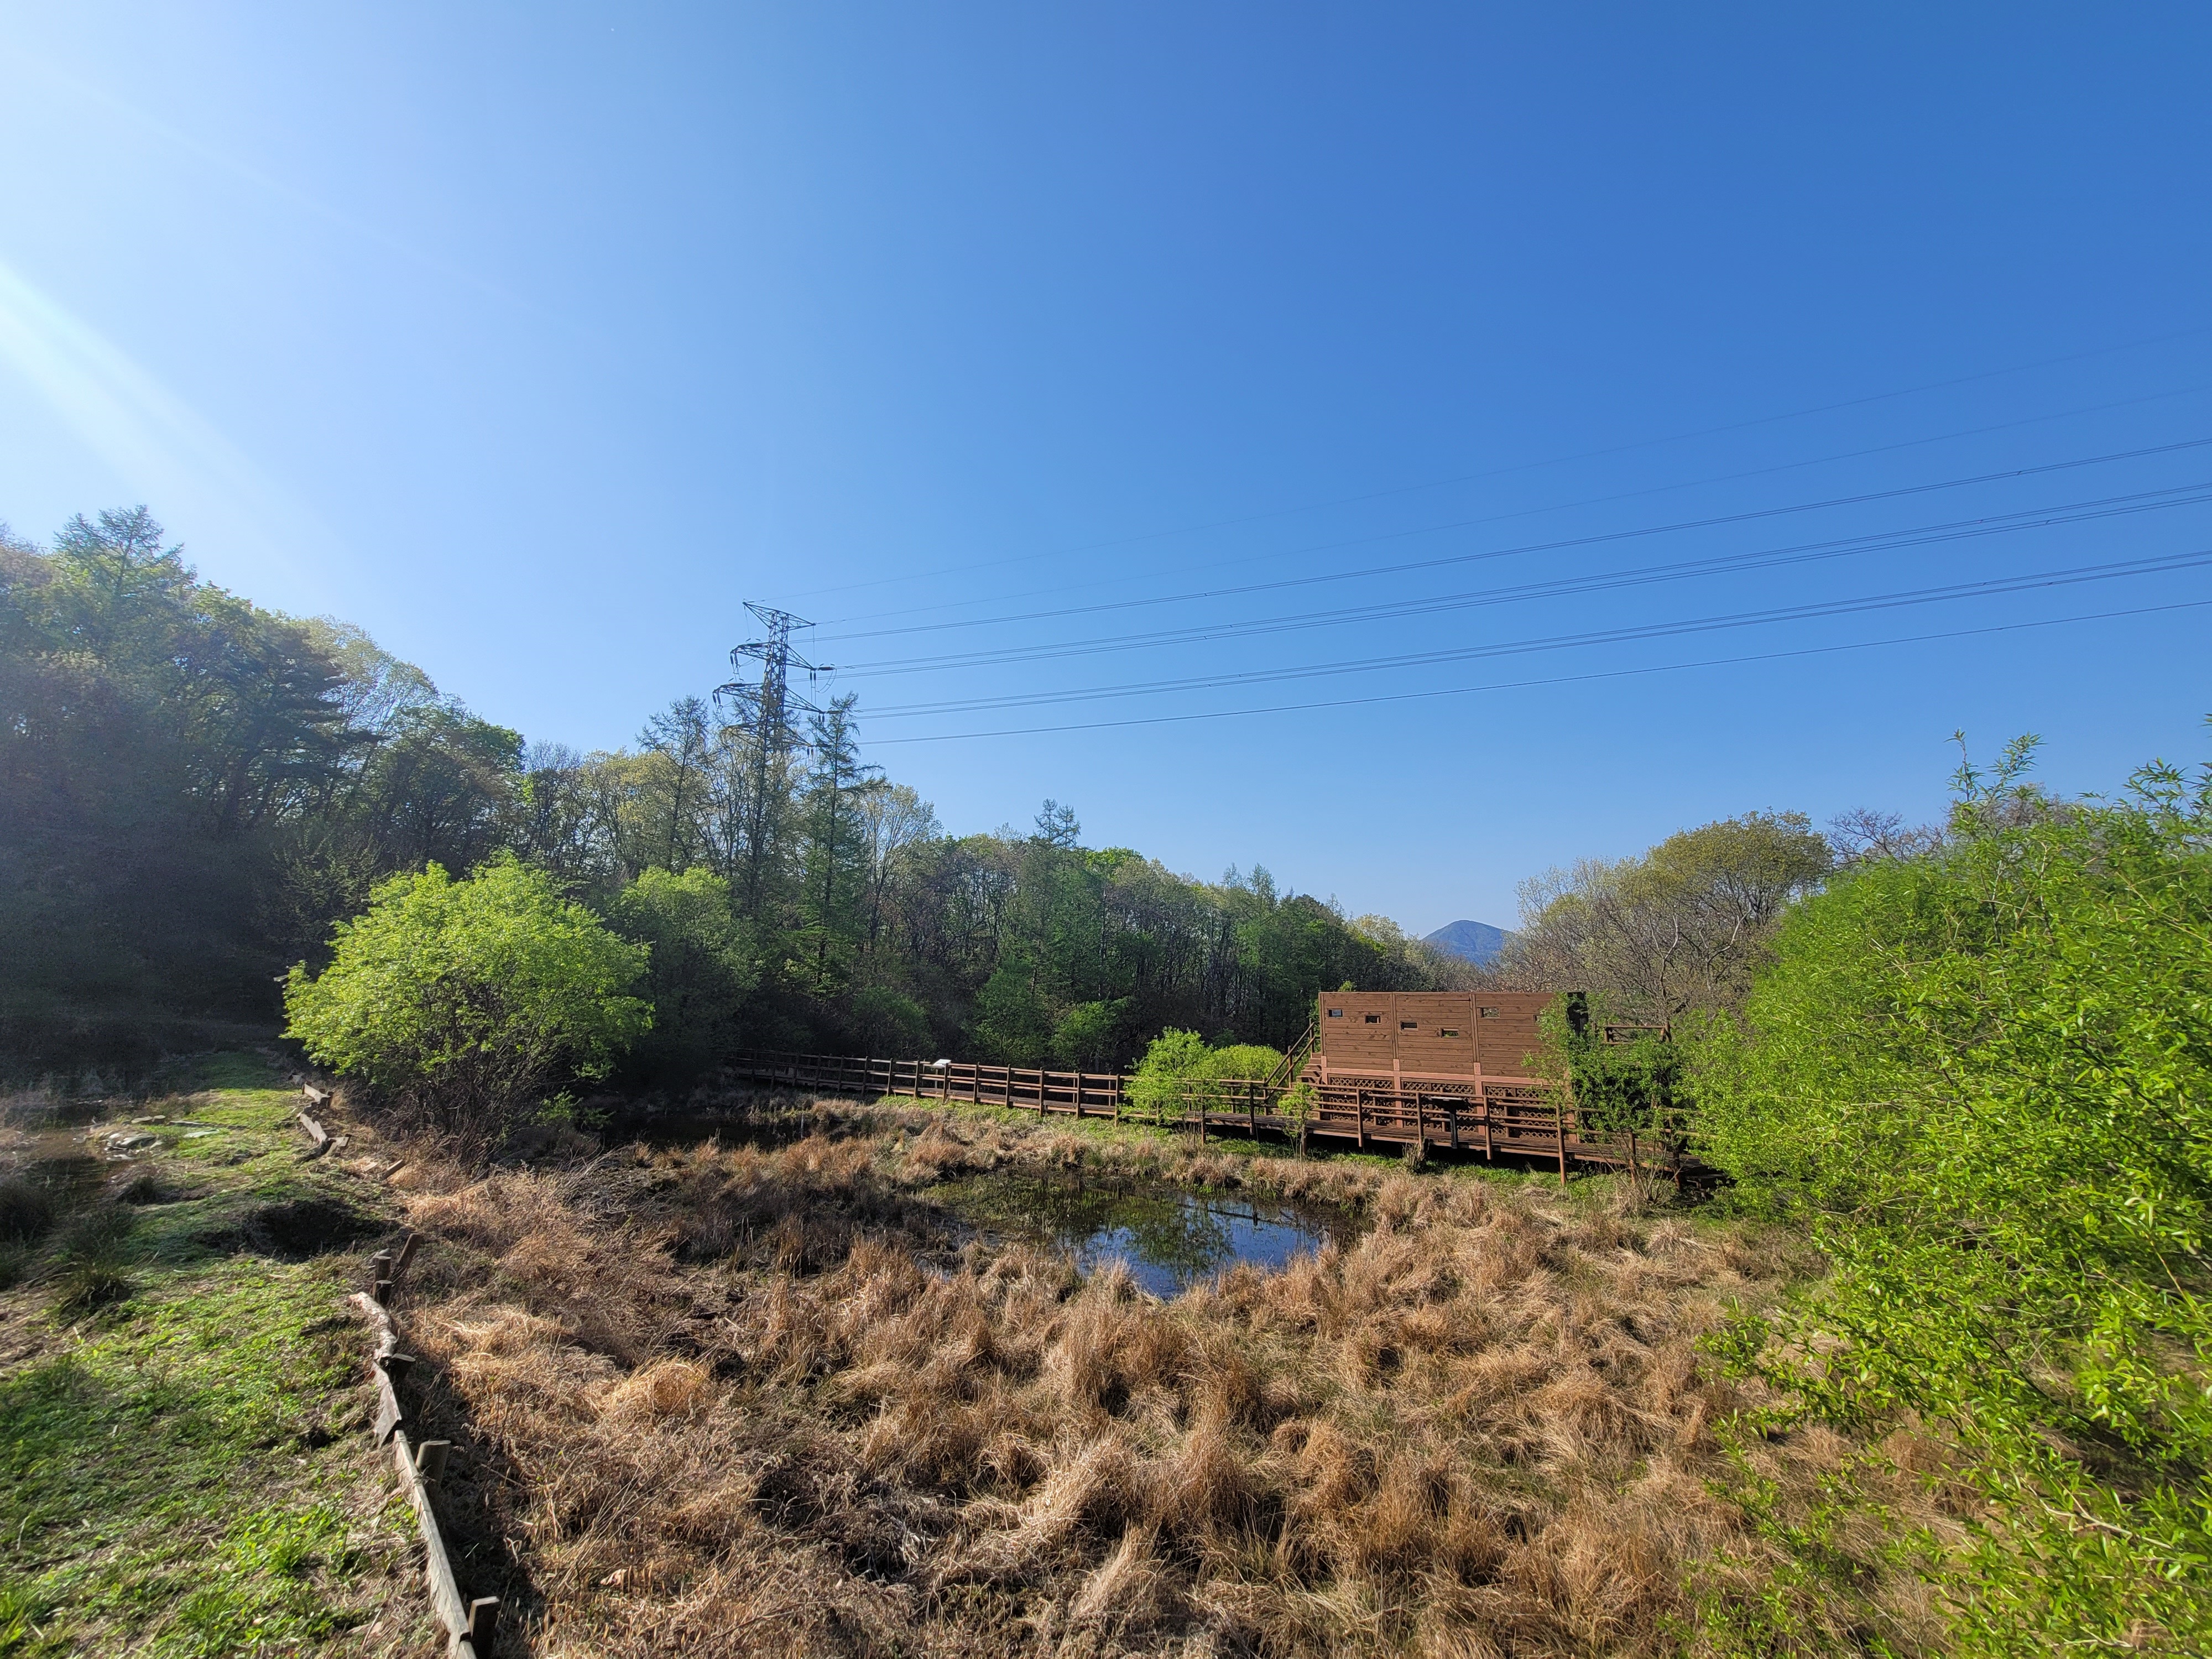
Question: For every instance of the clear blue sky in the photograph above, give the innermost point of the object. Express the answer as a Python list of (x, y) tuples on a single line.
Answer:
[(536, 338)]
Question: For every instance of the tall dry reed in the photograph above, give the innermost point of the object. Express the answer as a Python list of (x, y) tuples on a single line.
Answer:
[(746, 1401)]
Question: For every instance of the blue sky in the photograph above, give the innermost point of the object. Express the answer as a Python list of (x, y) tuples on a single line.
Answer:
[(537, 339)]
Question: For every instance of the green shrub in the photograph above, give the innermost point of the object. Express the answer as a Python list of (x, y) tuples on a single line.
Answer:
[(1179, 1069), (1253, 1061), (464, 1002), (1013, 1024), (1984, 1076)]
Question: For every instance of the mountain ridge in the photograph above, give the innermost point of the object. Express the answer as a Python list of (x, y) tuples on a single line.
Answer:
[(1473, 941)]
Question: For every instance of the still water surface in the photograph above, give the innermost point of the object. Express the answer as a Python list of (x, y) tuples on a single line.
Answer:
[(1170, 1237)]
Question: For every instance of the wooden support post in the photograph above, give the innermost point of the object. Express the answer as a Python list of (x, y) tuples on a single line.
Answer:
[(469, 1626), (1559, 1120), (1362, 1109), (483, 1624)]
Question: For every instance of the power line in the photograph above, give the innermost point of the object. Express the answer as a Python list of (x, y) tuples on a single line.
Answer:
[(1561, 679), (1584, 501), (1812, 610), (1712, 521), (1522, 466), (1802, 553)]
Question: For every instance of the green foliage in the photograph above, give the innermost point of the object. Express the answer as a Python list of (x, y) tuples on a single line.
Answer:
[(1984, 1076), (1180, 1068), (193, 792), (463, 1000), (1818, 1593), (1245, 1061), (1173, 1062), (1639, 1084), (1014, 1021), (1091, 1035), (890, 1024), (700, 974)]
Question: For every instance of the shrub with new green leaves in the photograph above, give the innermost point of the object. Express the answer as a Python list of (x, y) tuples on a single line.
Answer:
[(1984, 1075), (1179, 1068), (462, 1002)]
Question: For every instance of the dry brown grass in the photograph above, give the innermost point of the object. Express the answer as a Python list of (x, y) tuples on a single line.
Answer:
[(741, 1401)]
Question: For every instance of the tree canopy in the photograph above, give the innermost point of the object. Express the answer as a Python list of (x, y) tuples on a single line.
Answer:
[(193, 791)]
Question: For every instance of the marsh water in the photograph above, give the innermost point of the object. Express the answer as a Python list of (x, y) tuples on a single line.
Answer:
[(1170, 1237)]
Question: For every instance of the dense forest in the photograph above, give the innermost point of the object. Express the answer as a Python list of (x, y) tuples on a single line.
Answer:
[(194, 791)]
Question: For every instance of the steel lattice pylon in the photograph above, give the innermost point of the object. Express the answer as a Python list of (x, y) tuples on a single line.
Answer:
[(764, 709)]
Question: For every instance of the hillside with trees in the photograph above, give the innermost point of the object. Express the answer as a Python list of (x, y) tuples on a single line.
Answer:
[(194, 791)]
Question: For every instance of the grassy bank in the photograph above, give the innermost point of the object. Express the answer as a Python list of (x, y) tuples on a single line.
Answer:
[(184, 1465), (760, 1398)]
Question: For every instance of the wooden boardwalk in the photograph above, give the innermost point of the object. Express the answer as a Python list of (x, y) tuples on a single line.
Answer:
[(1494, 1120)]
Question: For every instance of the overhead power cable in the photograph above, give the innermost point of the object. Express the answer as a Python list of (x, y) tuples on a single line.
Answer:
[(1523, 466), (911, 611), (1709, 522), (1811, 610), (2149, 501), (1556, 679)]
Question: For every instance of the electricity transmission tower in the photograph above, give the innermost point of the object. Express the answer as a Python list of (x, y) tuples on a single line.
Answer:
[(764, 710)]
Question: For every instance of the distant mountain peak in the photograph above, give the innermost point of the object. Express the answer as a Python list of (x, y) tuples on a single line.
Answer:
[(1476, 941)]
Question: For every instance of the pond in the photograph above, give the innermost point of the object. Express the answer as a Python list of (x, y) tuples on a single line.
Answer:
[(1170, 1237)]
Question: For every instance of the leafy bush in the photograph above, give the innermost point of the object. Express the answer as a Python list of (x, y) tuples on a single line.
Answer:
[(1179, 1069), (461, 1001), (1641, 1086), (1984, 1076), (1249, 1060)]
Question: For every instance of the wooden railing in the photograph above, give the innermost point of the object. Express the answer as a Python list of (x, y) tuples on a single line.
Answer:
[(1513, 1118)]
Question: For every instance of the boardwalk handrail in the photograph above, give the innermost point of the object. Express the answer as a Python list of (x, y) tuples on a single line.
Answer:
[(1513, 1116)]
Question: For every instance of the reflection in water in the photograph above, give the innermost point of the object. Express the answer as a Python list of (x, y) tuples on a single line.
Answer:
[(1170, 1237)]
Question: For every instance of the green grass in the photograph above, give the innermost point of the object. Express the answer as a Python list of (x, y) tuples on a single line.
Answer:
[(184, 1465)]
